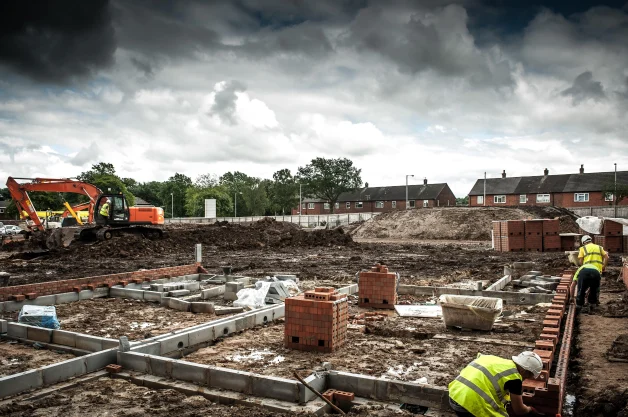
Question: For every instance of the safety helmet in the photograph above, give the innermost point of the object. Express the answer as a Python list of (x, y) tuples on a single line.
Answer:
[(529, 361), (586, 238)]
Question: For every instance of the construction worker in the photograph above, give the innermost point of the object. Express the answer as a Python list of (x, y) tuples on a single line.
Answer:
[(593, 259), (104, 210), (485, 386)]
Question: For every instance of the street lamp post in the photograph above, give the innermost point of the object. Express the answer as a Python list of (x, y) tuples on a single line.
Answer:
[(235, 203), (407, 201), (615, 195), (300, 201), (172, 197)]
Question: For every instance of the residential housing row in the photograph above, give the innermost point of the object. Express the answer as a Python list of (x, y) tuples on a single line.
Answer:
[(563, 190)]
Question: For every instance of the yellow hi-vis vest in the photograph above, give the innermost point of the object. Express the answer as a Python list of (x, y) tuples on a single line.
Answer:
[(592, 255), (480, 386), (104, 210)]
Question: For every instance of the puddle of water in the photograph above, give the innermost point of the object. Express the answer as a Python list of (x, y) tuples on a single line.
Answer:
[(568, 405)]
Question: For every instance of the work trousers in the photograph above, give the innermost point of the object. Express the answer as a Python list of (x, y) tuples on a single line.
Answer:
[(589, 279)]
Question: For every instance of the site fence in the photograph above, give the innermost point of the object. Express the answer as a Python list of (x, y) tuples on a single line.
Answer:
[(605, 211), (308, 221)]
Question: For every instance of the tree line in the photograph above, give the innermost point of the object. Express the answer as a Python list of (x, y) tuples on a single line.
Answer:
[(181, 196)]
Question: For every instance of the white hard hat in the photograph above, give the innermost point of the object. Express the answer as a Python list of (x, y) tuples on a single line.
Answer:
[(586, 238), (529, 361)]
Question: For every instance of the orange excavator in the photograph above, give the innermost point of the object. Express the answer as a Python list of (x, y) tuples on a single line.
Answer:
[(109, 214)]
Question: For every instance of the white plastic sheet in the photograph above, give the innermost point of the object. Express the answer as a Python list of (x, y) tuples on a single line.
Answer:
[(253, 298), (594, 225)]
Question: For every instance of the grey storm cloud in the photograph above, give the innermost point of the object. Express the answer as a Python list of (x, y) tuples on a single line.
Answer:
[(53, 44), (584, 87), (225, 101)]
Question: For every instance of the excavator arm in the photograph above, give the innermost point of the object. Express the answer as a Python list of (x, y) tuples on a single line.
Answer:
[(19, 193)]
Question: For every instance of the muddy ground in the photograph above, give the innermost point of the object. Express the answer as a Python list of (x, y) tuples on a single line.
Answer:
[(115, 397), (419, 263), (17, 357), (402, 348), (599, 384)]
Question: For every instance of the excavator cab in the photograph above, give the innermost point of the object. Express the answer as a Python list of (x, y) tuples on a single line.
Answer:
[(118, 211)]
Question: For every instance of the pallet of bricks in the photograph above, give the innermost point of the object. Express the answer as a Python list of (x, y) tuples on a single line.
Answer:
[(316, 320), (612, 239), (545, 393), (538, 235)]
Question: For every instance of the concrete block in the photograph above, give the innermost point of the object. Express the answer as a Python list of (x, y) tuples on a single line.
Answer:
[(133, 361), (135, 294), (16, 305), (230, 296), (213, 292), (192, 286), (86, 295), (228, 310), (99, 360), (14, 384), (274, 387), (316, 381), (165, 301), (263, 318), (62, 371), (191, 372), (44, 300), (233, 287), (153, 348), (179, 293), (202, 335), (230, 379), (342, 381), (100, 292), (117, 292), (174, 342), (3, 326), (241, 324), (177, 304), (110, 343), (160, 366), (225, 329), (202, 308), (39, 334), (66, 297), (16, 330), (90, 343), (62, 337), (157, 287), (1, 307), (155, 296)]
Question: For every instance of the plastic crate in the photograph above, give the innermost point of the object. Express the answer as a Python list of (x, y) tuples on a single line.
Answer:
[(477, 313)]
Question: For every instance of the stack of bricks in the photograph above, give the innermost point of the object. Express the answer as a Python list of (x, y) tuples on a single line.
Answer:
[(545, 393), (527, 235), (570, 242), (551, 238), (612, 238), (316, 320), (377, 288)]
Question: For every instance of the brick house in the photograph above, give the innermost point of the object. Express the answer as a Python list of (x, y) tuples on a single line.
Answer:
[(565, 190), (381, 199)]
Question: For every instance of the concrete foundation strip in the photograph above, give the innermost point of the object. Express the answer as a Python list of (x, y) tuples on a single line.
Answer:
[(484, 340), (500, 284), (514, 298)]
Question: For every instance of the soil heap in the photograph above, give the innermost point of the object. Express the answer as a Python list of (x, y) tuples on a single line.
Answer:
[(455, 223)]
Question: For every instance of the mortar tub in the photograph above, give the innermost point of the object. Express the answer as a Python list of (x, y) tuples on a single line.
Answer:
[(477, 313)]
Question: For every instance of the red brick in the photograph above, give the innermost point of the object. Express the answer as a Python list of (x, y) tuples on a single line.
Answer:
[(113, 368), (18, 297), (31, 296), (344, 396)]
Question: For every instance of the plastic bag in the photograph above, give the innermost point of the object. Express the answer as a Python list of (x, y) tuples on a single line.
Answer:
[(40, 316), (254, 298)]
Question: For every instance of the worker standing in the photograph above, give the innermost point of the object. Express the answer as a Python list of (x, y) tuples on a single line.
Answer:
[(104, 210), (593, 259), (485, 386)]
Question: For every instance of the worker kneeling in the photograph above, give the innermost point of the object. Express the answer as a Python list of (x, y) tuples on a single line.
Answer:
[(488, 383)]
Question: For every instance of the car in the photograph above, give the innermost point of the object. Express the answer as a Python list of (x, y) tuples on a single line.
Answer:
[(12, 230)]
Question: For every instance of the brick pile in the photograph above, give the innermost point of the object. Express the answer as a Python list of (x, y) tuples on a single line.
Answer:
[(334, 396), (316, 320), (546, 394), (611, 238), (31, 291), (377, 288), (538, 235)]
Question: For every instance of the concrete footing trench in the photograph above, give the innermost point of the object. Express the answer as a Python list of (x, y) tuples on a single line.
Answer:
[(170, 329)]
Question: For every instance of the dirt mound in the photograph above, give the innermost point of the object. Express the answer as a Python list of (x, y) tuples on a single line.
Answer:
[(619, 349), (616, 308), (608, 403), (459, 223)]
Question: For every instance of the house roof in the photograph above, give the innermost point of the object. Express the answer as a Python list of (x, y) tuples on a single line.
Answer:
[(396, 192), (564, 183)]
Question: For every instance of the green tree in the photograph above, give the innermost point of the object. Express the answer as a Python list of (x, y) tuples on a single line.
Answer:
[(239, 183), (102, 175), (255, 198), (609, 190), (149, 191), (174, 191), (462, 201), (195, 201), (328, 178), (283, 191)]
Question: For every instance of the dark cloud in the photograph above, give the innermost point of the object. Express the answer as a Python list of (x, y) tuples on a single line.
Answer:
[(143, 66), (584, 87), (55, 42), (225, 101), (298, 41)]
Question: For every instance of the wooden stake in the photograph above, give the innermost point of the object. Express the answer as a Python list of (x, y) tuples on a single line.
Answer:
[(297, 376)]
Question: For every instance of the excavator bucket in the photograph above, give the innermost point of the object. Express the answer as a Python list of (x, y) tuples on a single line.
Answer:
[(60, 238)]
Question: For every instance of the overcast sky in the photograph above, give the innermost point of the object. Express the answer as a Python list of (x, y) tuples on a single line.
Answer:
[(436, 89)]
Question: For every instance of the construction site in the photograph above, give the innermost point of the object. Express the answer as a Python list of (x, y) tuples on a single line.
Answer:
[(359, 319)]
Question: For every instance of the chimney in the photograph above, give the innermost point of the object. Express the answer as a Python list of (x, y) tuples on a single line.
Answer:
[(582, 169), (424, 181), (546, 172), (504, 174)]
